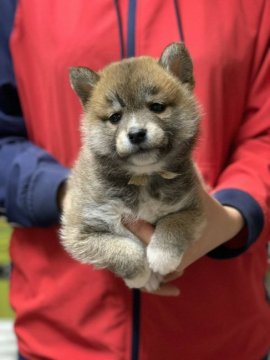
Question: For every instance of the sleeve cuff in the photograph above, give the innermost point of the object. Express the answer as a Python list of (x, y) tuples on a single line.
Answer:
[(33, 180), (253, 217), (43, 197)]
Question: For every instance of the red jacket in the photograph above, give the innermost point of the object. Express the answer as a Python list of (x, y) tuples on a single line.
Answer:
[(69, 311)]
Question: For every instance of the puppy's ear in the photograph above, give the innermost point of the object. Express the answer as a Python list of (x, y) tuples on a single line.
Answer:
[(83, 81), (176, 59)]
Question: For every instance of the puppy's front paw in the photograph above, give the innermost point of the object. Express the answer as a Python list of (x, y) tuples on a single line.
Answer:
[(139, 281), (153, 282), (161, 261)]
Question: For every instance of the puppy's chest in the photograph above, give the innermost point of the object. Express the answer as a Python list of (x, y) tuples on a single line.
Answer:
[(144, 203), (151, 208)]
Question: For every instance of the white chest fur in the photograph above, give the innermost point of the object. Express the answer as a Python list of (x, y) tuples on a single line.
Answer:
[(151, 209), (113, 210)]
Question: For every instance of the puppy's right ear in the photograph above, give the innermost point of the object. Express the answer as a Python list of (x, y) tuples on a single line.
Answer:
[(83, 81)]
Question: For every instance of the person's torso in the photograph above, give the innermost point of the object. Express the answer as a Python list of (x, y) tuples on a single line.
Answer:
[(88, 314)]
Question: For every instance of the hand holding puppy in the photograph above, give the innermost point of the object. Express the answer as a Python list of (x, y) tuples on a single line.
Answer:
[(222, 224)]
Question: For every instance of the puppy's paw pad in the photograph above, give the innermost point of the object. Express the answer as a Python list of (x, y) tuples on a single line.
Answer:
[(162, 262), (153, 282)]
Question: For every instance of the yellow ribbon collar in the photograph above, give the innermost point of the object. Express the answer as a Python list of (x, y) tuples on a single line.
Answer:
[(141, 180)]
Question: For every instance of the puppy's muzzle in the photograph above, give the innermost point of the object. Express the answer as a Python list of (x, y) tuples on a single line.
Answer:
[(138, 140)]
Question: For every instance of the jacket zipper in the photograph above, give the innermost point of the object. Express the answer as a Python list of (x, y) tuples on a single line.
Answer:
[(136, 293)]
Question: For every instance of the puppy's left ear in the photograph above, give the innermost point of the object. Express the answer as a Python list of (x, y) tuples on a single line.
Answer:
[(176, 59), (83, 81)]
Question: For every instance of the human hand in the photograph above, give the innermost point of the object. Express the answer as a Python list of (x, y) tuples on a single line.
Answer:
[(222, 224), (61, 194)]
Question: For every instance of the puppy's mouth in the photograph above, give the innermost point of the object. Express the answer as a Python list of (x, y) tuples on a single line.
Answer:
[(144, 144), (144, 156), (143, 151)]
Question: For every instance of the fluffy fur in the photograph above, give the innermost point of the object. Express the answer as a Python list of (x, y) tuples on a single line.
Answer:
[(140, 121)]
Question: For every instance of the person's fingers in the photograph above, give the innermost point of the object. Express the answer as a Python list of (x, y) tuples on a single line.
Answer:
[(142, 229), (165, 290), (172, 276)]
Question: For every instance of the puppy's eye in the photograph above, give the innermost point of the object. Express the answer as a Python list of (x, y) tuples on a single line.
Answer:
[(115, 118), (157, 107)]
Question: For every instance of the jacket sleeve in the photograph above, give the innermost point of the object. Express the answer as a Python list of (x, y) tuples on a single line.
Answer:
[(245, 181), (30, 177)]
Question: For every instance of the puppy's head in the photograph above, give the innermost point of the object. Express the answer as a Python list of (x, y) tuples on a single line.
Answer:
[(139, 111)]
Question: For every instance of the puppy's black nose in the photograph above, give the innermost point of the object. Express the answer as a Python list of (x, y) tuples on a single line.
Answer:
[(137, 136)]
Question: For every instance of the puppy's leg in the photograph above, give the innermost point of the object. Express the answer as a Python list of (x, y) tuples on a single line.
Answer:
[(124, 256), (171, 238)]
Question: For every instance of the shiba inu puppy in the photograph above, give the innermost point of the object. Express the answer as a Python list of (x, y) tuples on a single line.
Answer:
[(139, 127)]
